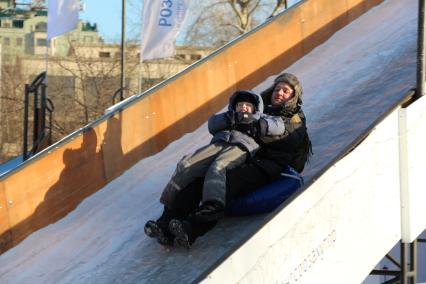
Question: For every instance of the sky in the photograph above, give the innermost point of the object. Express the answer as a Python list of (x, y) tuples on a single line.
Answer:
[(108, 16)]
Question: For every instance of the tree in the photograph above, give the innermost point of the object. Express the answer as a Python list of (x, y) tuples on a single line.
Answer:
[(243, 9), (80, 85), (281, 4), (223, 20), (11, 110)]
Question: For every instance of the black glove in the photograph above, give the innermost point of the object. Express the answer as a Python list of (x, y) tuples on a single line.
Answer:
[(254, 128), (262, 128), (244, 118), (230, 116)]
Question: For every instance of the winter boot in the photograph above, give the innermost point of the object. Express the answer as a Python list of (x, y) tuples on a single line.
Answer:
[(160, 229), (209, 211), (183, 233), (154, 230)]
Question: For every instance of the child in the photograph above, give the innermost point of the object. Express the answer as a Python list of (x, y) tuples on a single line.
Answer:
[(235, 138)]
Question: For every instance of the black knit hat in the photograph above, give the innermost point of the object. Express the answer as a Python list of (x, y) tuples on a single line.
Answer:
[(245, 96)]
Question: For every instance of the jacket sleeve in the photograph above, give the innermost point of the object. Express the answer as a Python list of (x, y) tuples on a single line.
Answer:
[(275, 125), (218, 122)]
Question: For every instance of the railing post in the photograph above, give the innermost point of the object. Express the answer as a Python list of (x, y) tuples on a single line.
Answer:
[(25, 142), (408, 269), (413, 261), (35, 117), (43, 107), (38, 88), (123, 36)]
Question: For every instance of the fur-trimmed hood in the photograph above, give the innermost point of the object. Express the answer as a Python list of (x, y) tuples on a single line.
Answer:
[(292, 106)]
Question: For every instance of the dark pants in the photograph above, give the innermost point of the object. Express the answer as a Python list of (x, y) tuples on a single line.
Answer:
[(212, 162), (240, 181)]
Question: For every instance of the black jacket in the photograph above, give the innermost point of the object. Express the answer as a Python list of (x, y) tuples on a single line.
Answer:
[(292, 148)]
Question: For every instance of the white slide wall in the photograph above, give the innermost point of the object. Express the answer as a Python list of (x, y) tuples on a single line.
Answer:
[(413, 160), (412, 135)]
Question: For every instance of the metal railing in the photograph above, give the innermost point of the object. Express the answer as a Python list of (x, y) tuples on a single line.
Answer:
[(119, 92), (42, 107), (406, 268)]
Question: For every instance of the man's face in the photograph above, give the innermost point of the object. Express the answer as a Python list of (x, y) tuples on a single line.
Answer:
[(244, 107), (282, 93)]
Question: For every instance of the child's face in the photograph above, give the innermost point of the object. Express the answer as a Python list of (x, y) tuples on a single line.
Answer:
[(244, 107)]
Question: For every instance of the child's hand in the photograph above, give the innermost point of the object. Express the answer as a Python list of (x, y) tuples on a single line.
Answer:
[(247, 123), (244, 118), (230, 116)]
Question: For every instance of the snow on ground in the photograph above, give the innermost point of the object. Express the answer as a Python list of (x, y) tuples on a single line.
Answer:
[(347, 83)]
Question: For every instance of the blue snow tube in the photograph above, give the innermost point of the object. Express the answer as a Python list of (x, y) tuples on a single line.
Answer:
[(268, 197)]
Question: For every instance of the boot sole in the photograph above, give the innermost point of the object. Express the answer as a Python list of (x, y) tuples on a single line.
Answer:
[(152, 230), (181, 237)]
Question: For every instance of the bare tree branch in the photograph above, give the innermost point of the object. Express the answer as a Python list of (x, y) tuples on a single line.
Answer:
[(256, 5), (225, 19), (278, 6)]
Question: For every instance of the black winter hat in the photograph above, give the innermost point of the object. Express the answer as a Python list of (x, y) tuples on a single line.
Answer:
[(245, 96)]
